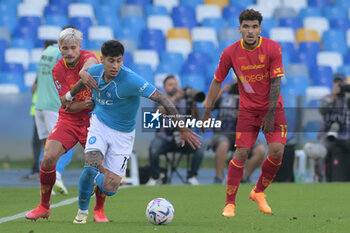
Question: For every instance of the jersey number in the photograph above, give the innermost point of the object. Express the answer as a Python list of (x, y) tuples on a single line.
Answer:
[(283, 131)]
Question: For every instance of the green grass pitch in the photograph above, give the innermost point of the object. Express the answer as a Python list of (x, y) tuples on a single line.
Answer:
[(297, 208)]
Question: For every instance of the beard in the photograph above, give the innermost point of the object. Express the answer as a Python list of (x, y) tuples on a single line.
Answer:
[(171, 93)]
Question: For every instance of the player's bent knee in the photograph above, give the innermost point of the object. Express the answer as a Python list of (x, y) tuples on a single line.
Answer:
[(93, 159)]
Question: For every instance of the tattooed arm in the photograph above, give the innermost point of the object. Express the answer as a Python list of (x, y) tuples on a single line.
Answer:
[(268, 121), (66, 102), (186, 134)]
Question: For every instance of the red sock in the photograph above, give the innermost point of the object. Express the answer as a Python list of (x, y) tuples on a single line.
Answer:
[(269, 169), (100, 199), (47, 180), (234, 176)]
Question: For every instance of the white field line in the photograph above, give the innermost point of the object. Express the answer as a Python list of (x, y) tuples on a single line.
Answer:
[(62, 203)]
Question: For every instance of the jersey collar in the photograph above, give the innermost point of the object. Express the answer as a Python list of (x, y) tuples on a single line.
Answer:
[(260, 41), (64, 61)]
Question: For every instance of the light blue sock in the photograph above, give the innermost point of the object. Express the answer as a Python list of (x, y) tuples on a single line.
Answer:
[(64, 161), (86, 185), (99, 182), (41, 156)]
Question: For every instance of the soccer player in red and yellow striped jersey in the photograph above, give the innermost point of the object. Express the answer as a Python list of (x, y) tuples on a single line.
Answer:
[(257, 63)]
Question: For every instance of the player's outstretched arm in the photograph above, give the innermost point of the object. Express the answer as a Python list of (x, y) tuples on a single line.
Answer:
[(267, 123), (214, 90), (186, 134), (85, 76)]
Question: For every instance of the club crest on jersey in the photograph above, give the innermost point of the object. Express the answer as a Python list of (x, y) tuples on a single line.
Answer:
[(108, 94), (262, 58), (92, 140), (59, 87)]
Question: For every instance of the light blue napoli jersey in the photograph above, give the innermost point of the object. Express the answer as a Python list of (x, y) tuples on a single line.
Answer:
[(116, 105)]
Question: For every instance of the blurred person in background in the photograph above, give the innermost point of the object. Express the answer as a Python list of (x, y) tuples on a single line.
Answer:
[(167, 139), (335, 130)]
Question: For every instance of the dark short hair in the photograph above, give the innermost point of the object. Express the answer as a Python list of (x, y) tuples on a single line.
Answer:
[(47, 43), (112, 48), (250, 14), (167, 78), (339, 77)]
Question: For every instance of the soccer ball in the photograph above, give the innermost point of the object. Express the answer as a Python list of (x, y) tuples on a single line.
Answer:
[(160, 211)]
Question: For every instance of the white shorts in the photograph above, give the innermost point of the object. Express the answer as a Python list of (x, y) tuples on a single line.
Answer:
[(114, 145), (45, 121)]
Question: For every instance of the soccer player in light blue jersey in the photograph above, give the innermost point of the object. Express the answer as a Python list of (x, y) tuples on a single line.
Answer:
[(112, 124)]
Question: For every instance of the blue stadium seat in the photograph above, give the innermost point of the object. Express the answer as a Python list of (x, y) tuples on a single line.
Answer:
[(195, 81), (310, 47), (319, 3), (9, 21), (295, 85), (93, 3), (322, 76), (232, 22), (156, 10), (62, 3), (33, 67), (231, 11), (191, 3), (94, 44), (3, 45), (144, 70), (304, 58), (294, 23), (54, 9), (207, 47), (175, 59), (268, 23), (244, 4), (25, 32), (59, 20), (127, 61), (127, 33), (135, 24), (346, 59), (30, 21), (341, 3), (345, 69), (335, 40), (167, 68), (184, 16), (13, 67), (193, 68), (335, 13), (310, 11), (13, 78), (24, 43), (140, 2), (342, 24), (288, 47), (216, 23), (107, 16), (199, 58), (153, 39)]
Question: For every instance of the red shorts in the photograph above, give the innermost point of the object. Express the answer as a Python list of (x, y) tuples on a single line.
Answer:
[(69, 133), (248, 128)]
